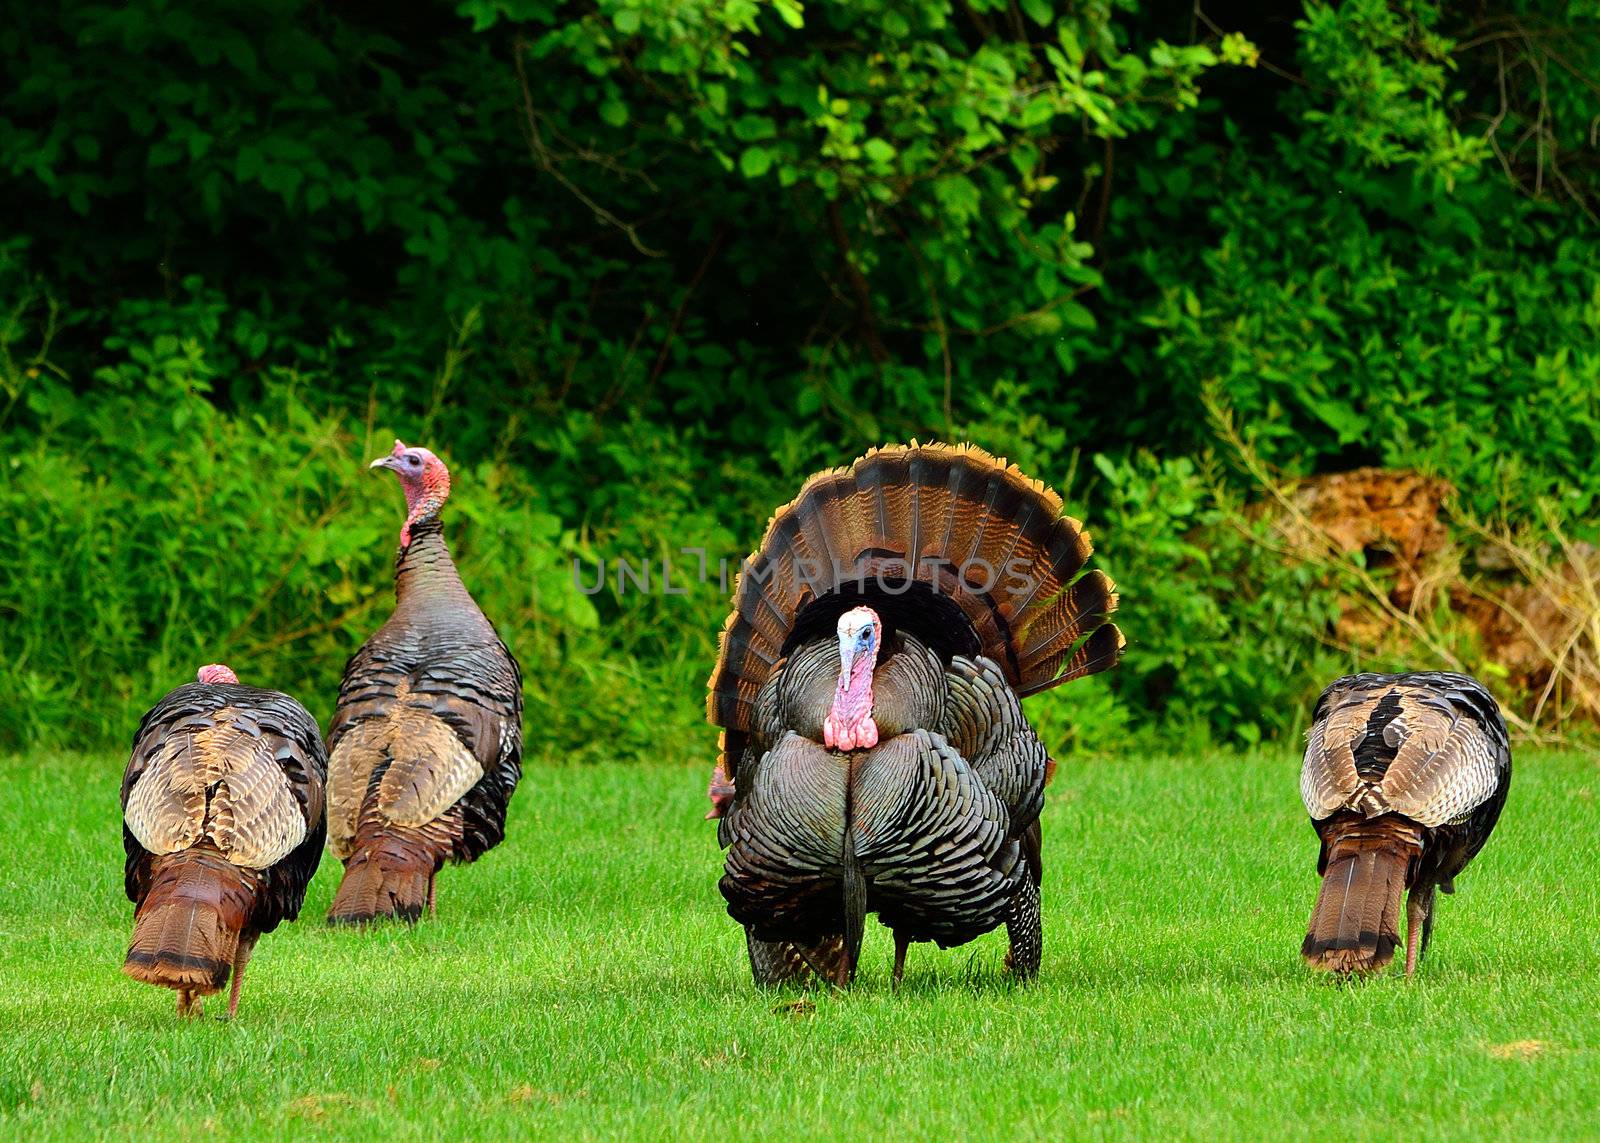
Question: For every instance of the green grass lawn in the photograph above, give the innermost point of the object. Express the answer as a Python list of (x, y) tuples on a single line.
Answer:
[(584, 979)]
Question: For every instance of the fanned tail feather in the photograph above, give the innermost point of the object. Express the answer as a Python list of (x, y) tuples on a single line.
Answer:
[(980, 557), (1355, 925), (186, 932), (388, 877)]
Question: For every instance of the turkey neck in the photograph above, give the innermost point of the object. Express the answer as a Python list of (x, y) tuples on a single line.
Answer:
[(424, 573)]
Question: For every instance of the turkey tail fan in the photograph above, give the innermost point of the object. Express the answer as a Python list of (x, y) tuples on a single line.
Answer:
[(186, 934), (1355, 925), (945, 541), (388, 877)]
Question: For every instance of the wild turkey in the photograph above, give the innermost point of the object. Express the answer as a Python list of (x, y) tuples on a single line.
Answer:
[(874, 753), (223, 827), (425, 748), (1404, 778)]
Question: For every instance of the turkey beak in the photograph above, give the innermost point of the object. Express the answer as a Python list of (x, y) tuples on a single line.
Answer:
[(382, 462)]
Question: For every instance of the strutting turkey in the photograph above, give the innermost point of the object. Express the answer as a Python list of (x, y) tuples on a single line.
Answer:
[(1404, 778), (425, 747), (223, 826), (874, 755)]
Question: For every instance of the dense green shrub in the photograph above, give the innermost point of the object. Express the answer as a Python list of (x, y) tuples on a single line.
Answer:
[(635, 267), (1375, 293), (150, 531)]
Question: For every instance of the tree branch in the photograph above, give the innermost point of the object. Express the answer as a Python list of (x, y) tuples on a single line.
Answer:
[(541, 156)]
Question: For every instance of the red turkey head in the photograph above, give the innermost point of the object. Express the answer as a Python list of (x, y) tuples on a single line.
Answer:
[(424, 478), (216, 673)]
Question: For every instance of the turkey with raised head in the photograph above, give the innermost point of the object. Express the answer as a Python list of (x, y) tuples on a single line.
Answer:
[(425, 747), (875, 757), (1404, 778), (223, 826)]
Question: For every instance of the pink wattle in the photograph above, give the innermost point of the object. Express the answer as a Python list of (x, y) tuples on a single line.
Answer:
[(849, 724)]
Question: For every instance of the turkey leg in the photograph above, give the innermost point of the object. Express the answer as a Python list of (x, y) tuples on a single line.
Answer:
[(1026, 930), (1419, 920), (900, 946), (241, 957)]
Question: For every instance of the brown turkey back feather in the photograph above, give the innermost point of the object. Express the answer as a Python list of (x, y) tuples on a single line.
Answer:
[(932, 508), (187, 929), (1355, 925)]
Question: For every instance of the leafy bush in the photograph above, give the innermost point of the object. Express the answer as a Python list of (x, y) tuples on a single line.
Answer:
[(1226, 638), (170, 533), (637, 267)]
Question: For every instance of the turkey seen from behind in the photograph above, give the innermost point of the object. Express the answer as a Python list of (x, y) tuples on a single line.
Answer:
[(223, 827), (425, 747), (1404, 777), (875, 757)]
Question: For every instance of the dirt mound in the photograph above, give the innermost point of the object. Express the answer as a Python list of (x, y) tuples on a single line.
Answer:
[(1532, 607), (1391, 516)]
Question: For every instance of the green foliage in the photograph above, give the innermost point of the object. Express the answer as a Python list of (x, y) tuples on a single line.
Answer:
[(1359, 315), (636, 267), (1236, 651), (173, 533), (1387, 66)]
